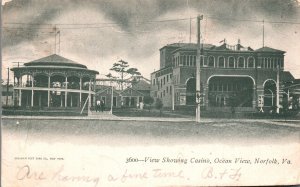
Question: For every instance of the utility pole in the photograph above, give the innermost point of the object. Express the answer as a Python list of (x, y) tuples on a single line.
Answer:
[(263, 39), (190, 30), (112, 99), (277, 90), (7, 86), (55, 39), (198, 94), (56, 31)]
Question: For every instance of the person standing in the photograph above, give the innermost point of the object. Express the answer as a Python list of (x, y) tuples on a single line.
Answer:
[(102, 105), (98, 103)]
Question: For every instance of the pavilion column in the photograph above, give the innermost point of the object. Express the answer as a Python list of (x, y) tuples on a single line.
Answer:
[(32, 83), (66, 93), (40, 99), (80, 88), (20, 97), (71, 100), (49, 91), (94, 89), (90, 102)]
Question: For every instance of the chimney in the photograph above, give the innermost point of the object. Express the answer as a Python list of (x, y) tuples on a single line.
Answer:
[(238, 46)]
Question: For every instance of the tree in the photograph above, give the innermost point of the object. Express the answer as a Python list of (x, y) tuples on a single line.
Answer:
[(110, 76), (159, 105), (133, 72), (122, 69), (148, 101)]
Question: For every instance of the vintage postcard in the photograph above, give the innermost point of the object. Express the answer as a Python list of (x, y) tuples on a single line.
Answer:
[(150, 93)]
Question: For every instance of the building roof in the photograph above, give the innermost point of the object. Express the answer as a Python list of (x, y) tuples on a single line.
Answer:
[(195, 46), (226, 47), (187, 45), (131, 92), (55, 60), (269, 49), (223, 47), (141, 85), (286, 76), (105, 89)]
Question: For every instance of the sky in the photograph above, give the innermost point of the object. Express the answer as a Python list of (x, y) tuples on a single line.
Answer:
[(98, 33)]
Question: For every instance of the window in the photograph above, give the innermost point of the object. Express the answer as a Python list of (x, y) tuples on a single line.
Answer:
[(167, 78), (170, 90), (220, 87), (211, 61), (221, 62), (164, 80), (201, 61), (164, 93), (229, 87), (231, 62), (251, 62), (210, 87), (153, 82), (215, 87), (281, 63), (167, 89), (241, 62)]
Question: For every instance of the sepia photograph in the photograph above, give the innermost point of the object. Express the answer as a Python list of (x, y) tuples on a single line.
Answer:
[(150, 92)]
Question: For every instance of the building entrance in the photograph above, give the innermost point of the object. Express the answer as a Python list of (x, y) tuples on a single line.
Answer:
[(191, 91), (230, 91), (270, 93)]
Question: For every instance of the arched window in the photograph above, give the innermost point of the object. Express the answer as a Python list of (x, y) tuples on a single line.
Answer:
[(231, 62), (181, 60), (221, 62), (251, 62), (241, 62), (201, 61), (211, 61)]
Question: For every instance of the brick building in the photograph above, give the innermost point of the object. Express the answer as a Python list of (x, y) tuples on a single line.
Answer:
[(231, 75)]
